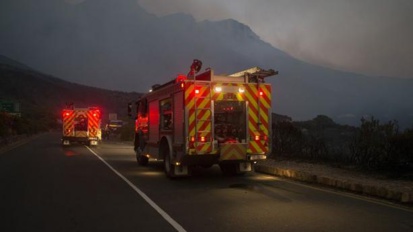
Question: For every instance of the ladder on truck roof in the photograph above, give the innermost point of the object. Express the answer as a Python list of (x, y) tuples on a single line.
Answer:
[(255, 72)]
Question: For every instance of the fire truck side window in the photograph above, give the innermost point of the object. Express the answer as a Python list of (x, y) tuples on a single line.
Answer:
[(166, 114)]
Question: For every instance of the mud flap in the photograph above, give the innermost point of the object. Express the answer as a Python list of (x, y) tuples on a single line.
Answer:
[(245, 167), (181, 170)]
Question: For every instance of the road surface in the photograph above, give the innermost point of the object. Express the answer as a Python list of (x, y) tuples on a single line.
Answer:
[(47, 187)]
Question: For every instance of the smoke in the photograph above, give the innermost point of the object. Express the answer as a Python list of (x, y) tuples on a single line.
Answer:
[(370, 36), (74, 1)]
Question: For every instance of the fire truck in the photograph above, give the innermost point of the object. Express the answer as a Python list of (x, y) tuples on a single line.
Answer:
[(81, 125), (205, 119)]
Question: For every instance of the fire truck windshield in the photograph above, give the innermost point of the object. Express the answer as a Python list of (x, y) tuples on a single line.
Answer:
[(230, 121)]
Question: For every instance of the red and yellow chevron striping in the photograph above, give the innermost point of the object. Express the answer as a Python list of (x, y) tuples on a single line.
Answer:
[(93, 122), (233, 151), (68, 122)]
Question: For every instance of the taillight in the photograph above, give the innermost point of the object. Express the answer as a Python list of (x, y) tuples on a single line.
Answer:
[(191, 142), (260, 137), (202, 139), (196, 91)]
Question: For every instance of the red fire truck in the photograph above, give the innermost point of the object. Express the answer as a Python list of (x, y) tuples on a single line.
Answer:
[(206, 119), (81, 125)]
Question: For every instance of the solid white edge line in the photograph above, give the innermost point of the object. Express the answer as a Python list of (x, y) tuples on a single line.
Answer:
[(168, 218)]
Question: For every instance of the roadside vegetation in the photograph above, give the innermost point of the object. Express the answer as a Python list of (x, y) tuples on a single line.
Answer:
[(13, 127), (374, 147)]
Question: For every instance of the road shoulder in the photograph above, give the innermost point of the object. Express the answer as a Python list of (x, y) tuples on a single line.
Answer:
[(395, 190)]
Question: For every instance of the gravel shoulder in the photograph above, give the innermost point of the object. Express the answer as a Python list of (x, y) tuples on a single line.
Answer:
[(345, 179)]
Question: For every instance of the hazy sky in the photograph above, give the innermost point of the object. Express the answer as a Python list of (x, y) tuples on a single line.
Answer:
[(373, 37)]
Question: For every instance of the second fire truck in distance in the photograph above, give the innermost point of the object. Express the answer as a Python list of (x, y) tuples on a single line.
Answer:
[(206, 119), (81, 125)]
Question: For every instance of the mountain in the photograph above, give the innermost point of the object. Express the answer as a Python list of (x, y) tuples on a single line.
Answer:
[(44, 96), (5, 61), (115, 44)]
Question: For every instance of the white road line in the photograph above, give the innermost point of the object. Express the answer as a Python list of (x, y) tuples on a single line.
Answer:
[(143, 195)]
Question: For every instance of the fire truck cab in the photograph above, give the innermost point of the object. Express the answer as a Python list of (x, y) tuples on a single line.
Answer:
[(206, 119), (81, 125)]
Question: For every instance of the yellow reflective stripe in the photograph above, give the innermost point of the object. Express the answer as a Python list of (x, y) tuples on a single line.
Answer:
[(204, 102)]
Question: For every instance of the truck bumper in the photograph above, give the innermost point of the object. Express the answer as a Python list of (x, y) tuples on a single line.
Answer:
[(67, 140)]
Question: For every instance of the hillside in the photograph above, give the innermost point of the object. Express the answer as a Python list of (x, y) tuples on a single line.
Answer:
[(42, 95)]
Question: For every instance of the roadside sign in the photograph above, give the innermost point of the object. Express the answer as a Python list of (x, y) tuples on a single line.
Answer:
[(9, 107)]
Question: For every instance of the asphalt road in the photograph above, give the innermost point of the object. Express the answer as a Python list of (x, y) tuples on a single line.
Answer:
[(47, 187)]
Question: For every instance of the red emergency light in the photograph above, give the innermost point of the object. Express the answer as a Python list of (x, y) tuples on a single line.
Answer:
[(66, 113), (180, 78), (96, 113)]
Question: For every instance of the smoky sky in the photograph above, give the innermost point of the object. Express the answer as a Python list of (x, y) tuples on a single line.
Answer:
[(372, 37)]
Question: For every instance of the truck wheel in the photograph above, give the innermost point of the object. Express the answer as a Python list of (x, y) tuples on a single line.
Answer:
[(231, 169), (228, 169), (140, 158), (169, 167)]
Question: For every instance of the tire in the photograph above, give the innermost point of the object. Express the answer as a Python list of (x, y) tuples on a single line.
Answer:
[(228, 169), (231, 169), (168, 166), (139, 145), (206, 166), (141, 159)]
